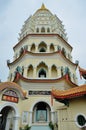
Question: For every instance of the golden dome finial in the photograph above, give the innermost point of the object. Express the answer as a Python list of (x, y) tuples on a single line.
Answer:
[(43, 6)]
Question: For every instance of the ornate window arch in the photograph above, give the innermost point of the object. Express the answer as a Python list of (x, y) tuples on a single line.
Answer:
[(42, 70), (30, 71), (42, 47), (48, 29), (42, 73), (33, 48), (42, 29), (52, 49), (54, 72), (37, 30)]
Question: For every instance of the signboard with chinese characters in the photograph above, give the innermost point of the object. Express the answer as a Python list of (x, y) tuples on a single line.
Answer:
[(39, 92), (10, 96)]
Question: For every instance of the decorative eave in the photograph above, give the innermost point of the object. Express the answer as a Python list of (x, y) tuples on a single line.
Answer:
[(12, 85), (82, 72), (65, 77), (62, 95), (42, 35), (41, 54)]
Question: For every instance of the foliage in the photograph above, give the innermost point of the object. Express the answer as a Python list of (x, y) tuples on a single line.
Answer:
[(51, 125), (20, 128), (27, 127)]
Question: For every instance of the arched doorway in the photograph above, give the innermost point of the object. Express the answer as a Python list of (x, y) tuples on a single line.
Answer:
[(8, 117), (7, 113), (41, 113)]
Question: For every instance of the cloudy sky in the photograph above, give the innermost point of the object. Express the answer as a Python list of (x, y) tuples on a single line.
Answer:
[(13, 13)]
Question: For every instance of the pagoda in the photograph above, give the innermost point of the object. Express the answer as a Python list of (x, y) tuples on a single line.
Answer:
[(41, 75)]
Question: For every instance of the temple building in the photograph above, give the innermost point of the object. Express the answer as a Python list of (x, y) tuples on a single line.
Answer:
[(42, 89)]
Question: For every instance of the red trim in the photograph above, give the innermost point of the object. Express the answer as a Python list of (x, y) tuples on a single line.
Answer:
[(42, 35), (70, 93), (19, 76), (42, 54)]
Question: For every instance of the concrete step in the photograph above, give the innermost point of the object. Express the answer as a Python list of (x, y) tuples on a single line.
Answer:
[(40, 127)]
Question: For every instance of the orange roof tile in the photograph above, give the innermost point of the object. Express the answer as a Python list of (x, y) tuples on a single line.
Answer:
[(70, 93)]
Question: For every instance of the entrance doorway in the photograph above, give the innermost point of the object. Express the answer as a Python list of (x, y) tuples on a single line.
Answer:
[(41, 113), (6, 118)]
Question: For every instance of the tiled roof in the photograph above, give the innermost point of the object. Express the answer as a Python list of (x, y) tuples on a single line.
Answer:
[(70, 93)]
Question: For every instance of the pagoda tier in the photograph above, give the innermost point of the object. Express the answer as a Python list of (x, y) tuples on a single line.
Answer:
[(62, 83), (43, 21), (59, 71), (43, 35), (36, 55)]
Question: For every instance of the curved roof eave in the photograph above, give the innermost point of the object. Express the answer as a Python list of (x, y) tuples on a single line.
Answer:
[(42, 36), (70, 93), (65, 77), (42, 54), (13, 85)]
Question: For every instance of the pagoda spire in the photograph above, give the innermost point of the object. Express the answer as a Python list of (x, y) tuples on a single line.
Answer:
[(43, 6)]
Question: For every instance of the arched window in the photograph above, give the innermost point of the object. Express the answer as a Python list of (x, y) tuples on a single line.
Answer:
[(52, 48), (42, 47), (48, 29), (37, 30), (42, 73), (42, 70), (30, 71), (42, 29), (33, 47), (54, 71)]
